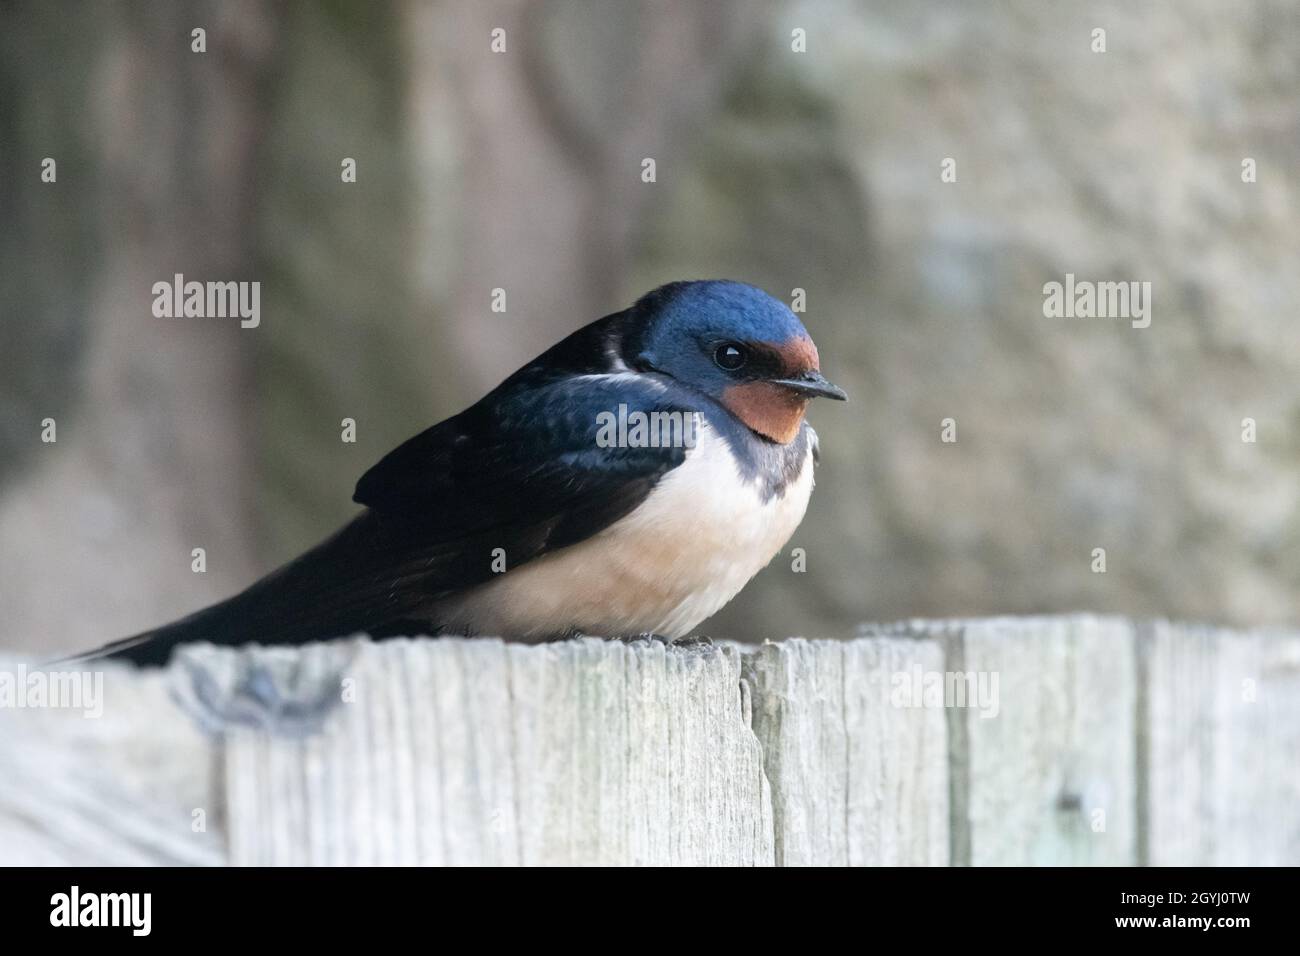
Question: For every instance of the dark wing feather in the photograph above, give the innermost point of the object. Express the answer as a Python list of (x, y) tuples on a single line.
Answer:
[(522, 470)]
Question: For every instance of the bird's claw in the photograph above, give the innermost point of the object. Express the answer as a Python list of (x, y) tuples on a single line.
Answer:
[(698, 640), (647, 636), (694, 640)]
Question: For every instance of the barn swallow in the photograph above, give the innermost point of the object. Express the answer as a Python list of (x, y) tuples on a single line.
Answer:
[(550, 508)]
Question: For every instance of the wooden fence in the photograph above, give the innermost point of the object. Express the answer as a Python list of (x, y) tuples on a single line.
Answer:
[(1071, 740)]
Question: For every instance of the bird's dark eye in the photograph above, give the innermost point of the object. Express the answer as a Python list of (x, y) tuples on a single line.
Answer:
[(730, 356)]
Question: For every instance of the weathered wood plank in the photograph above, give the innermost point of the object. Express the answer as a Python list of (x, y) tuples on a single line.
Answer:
[(1053, 777), (1095, 744), (458, 752), (119, 788), (1222, 726), (1044, 771), (858, 776)]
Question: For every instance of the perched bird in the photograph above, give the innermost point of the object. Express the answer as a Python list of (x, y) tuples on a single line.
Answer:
[(630, 480)]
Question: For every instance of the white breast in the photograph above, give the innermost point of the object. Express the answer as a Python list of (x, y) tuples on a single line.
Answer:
[(686, 551)]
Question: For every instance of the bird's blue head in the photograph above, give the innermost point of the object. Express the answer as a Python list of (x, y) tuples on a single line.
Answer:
[(736, 344)]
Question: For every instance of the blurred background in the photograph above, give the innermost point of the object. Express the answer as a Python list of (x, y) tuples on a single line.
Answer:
[(818, 170)]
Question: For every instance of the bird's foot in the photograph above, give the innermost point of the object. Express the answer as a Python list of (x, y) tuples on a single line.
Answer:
[(693, 640), (648, 636), (698, 640), (568, 634)]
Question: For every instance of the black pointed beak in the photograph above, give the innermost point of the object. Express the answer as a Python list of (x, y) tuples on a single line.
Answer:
[(814, 385)]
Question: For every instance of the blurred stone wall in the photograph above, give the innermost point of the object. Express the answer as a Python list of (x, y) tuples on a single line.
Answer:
[(156, 174), (1073, 434), (818, 170)]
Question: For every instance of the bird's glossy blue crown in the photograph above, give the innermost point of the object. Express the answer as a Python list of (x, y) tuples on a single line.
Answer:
[(727, 309)]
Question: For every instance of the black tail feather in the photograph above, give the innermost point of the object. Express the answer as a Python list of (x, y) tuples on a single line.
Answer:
[(350, 583)]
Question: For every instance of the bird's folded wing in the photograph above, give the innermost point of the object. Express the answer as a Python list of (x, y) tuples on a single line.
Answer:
[(515, 477)]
